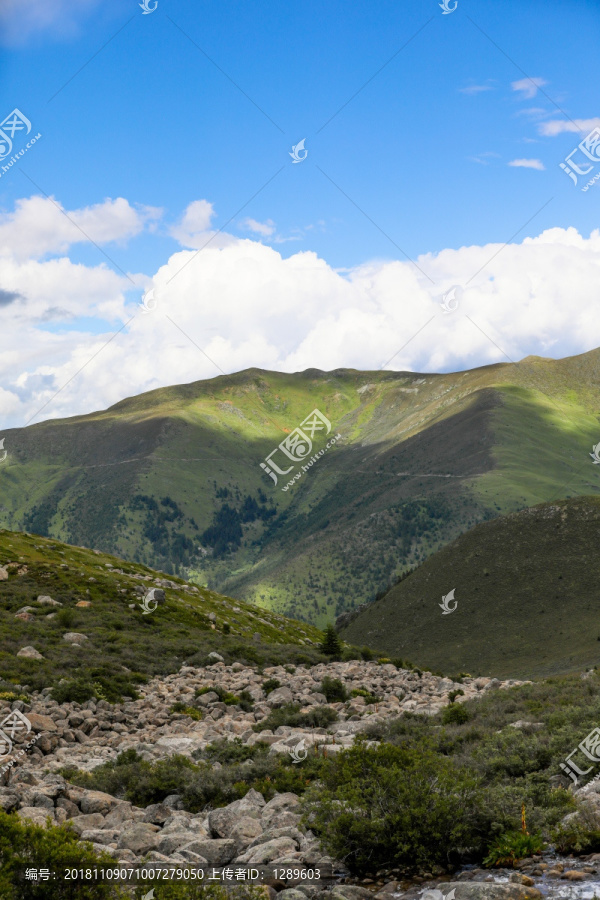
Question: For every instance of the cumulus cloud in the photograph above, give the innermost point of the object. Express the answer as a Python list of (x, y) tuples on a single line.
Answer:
[(528, 87), (243, 304), (527, 164), (193, 228), (41, 225), (577, 126)]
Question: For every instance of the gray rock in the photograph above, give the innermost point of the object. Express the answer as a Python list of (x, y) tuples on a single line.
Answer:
[(279, 697), (169, 843), (74, 637), (47, 601), (29, 653), (215, 657), (139, 838), (245, 832), (349, 892), (87, 822), (487, 891), (266, 853), (217, 851), (97, 802)]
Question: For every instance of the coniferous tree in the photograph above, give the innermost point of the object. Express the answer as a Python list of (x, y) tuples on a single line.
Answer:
[(331, 644)]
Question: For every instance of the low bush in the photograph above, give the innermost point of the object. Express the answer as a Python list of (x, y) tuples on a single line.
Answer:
[(271, 684), (333, 689), (369, 698), (190, 711), (226, 697), (390, 806), (318, 717), (199, 785), (23, 844), (95, 687), (455, 714), (512, 846)]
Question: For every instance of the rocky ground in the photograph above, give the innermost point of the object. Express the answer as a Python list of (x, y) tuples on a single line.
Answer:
[(251, 830)]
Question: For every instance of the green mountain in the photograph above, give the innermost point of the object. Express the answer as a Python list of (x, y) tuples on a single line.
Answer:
[(173, 478), (49, 590), (525, 601)]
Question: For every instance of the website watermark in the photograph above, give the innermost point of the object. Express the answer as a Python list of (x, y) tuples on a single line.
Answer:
[(11, 725), (446, 601), (297, 446), (590, 148), (10, 129), (311, 462), (590, 747)]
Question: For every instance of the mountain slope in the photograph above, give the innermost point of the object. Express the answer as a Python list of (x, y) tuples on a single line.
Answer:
[(526, 588), (172, 478), (99, 596)]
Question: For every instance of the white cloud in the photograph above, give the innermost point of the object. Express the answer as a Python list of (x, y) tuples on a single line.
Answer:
[(40, 225), (265, 229), (578, 126), (21, 19), (193, 229), (527, 164), (528, 87), (476, 88), (245, 305)]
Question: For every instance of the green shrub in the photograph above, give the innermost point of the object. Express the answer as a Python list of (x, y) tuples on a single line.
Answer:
[(23, 844), (66, 617), (11, 696), (512, 846), (452, 695), (199, 785), (455, 714), (370, 698), (74, 690), (102, 687), (226, 697), (271, 684), (318, 717), (333, 689), (190, 711), (224, 751), (389, 806)]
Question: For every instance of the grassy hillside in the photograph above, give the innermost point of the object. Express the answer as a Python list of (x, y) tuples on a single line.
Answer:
[(527, 591), (172, 478), (124, 646)]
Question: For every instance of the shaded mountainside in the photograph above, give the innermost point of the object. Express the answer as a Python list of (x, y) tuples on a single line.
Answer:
[(172, 478), (526, 587)]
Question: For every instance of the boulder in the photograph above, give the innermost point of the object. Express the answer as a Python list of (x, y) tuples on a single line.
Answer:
[(279, 697), (482, 890), (139, 838), (41, 723), (73, 637), (43, 600), (170, 842), (87, 822), (97, 802), (218, 852), (244, 832), (263, 854), (29, 653), (36, 815)]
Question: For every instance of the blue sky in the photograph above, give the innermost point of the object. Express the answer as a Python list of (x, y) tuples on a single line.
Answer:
[(426, 133), (151, 119)]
